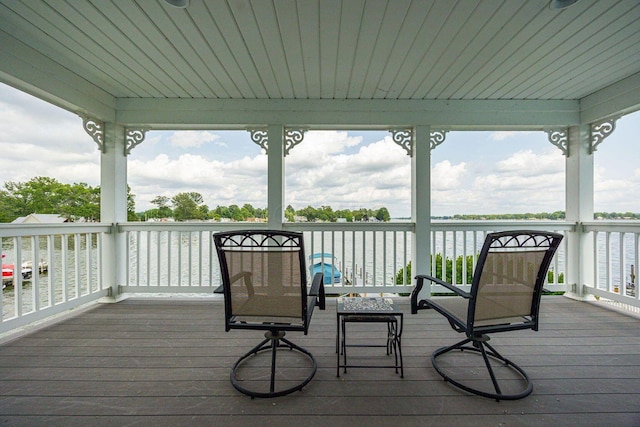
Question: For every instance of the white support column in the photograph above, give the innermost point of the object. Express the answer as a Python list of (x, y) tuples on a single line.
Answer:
[(421, 203), (579, 207), (113, 204), (275, 179)]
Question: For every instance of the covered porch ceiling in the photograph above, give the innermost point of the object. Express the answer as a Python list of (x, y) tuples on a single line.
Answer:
[(348, 63)]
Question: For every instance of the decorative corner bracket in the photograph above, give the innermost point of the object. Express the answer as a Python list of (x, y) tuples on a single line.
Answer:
[(559, 138), (599, 131), (404, 138), (95, 129), (292, 137), (133, 138), (261, 137), (437, 137)]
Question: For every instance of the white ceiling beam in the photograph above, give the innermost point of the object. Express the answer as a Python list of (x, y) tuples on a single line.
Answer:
[(32, 72), (199, 113), (620, 98)]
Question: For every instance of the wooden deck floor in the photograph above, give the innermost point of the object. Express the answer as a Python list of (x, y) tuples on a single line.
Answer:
[(167, 363)]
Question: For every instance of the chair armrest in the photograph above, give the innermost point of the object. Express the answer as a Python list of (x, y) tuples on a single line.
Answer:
[(315, 297), (423, 304), (317, 290), (447, 285)]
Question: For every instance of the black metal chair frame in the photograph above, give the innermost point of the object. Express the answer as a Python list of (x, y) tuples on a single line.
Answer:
[(478, 336), (276, 328)]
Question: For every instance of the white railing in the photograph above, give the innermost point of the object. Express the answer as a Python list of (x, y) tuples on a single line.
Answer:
[(49, 269), (371, 257), (374, 257), (462, 240), (616, 255), (173, 257), (363, 257)]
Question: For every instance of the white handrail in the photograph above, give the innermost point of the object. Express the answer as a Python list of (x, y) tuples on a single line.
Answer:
[(370, 257)]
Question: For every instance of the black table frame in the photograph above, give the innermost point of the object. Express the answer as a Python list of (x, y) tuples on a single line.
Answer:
[(393, 317)]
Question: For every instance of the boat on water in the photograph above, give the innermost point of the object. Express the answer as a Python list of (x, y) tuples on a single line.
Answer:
[(7, 274), (43, 267), (26, 269), (325, 263)]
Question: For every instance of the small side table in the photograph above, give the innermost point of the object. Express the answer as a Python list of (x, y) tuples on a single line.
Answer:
[(369, 310)]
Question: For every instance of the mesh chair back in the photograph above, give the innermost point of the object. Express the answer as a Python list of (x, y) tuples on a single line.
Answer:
[(263, 276), (274, 287), (511, 271)]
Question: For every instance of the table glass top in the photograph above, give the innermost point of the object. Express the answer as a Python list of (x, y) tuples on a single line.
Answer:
[(365, 304)]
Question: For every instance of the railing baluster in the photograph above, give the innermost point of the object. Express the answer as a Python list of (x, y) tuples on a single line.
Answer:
[(158, 239), (76, 261), (88, 261), (454, 264), (608, 261), (342, 258), (623, 259), (127, 250), (51, 272), (35, 273), (200, 258), (384, 259), (353, 258), (632, 280), (17, 278), (407, 280), (99, 243), (596, 258), (364, 258), (148, 239), (333, 251), (374, 246)]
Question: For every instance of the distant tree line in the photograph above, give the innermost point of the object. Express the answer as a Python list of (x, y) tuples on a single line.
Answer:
[(327, 214), (616, 215), (557, 215), (80, 201), (190, 206), (43, 195)]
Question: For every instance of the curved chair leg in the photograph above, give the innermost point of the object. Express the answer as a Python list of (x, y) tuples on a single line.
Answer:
[(273, 341), (478, 346)]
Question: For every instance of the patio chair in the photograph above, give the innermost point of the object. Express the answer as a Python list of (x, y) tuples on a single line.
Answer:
[(505, 296), (265, 288)]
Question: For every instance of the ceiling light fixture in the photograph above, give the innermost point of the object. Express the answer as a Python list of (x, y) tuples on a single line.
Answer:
[(181, 4), (561, 4)]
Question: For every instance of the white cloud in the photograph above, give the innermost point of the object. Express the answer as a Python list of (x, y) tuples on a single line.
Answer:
[(192, 138), (616, 194), (237, 182), (523, 182), (445, 176), (320, 171), (528, 163), (502, 135)]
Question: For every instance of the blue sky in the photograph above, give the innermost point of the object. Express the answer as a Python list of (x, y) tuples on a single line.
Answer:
[(472, 172)]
